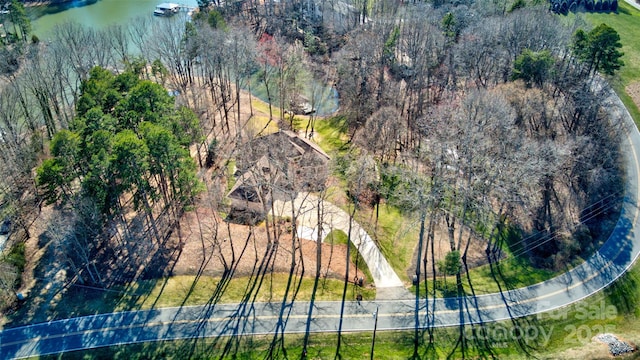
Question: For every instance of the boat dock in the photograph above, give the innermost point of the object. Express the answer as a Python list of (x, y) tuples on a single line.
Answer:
[(170, 9)]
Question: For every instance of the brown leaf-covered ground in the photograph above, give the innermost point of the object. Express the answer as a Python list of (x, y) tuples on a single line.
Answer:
[(209, 242)]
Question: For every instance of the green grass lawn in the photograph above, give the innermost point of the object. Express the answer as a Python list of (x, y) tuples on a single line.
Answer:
[(614, 310), (517, 273), (339, 237), (173, 291), (511, 272), (332, 135), (391, 346), (185, 290), (627, 23), (395, 233)]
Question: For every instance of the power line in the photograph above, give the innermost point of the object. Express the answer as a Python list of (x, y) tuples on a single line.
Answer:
[(589, 216)]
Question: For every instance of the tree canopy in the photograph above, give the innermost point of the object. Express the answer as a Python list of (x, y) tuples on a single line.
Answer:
[(127, 138), (20, 20), (532, 67), (599, 49)]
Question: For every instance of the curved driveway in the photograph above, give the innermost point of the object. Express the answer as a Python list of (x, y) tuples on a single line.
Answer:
[(335, 218), (604, 267)]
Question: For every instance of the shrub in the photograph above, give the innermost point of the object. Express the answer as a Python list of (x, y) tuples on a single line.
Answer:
[(16, 256)]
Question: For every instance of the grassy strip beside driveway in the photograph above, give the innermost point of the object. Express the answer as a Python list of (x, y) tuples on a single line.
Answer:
[(184, 291)]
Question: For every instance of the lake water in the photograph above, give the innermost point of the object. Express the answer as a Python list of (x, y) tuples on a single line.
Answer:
[(97, 14), (324, 98)]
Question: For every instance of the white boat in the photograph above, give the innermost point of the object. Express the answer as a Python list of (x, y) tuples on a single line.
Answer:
[(166, 9)]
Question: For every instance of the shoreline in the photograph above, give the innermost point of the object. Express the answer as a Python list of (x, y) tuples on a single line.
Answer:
[(37, 3)]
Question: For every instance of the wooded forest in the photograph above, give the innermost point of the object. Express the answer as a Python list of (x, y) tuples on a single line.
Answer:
[(485, 119)]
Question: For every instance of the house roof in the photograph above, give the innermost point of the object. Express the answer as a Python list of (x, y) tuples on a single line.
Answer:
[(297, 139), (285, 147)]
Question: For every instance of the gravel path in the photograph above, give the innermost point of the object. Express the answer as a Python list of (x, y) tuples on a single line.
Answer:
[(616, 346)]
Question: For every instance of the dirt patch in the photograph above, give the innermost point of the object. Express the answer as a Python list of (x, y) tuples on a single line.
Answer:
[(595, 349), (592, 350), (210, 245), (633, 90), (48, 282)]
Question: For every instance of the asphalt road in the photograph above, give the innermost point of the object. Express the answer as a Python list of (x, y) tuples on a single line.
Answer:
[(604, 267)]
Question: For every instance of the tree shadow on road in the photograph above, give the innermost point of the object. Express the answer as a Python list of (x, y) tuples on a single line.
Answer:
[(232, 333)]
